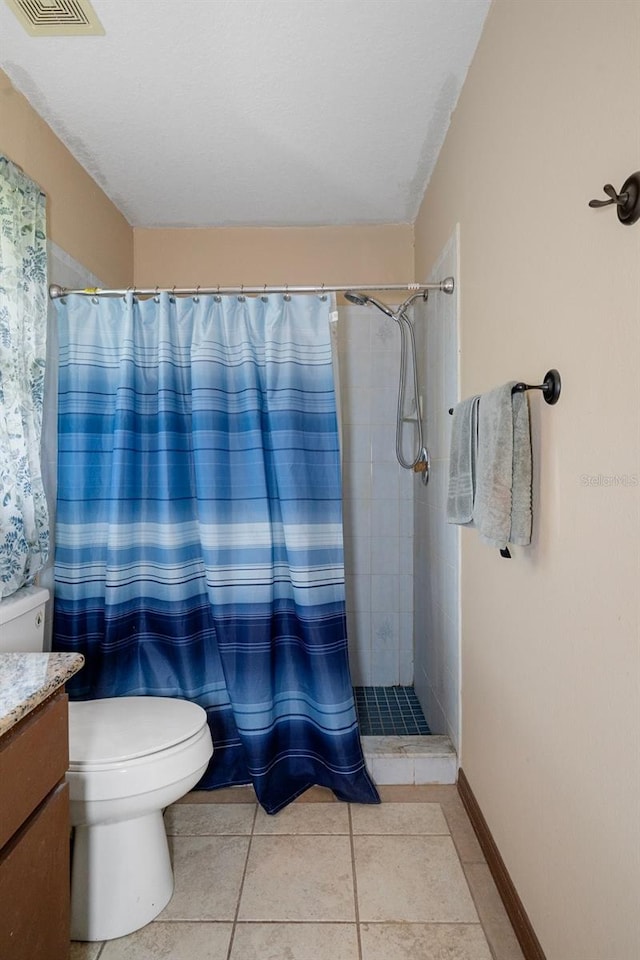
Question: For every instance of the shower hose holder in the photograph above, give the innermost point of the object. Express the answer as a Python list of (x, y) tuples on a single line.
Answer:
[(423, 465)]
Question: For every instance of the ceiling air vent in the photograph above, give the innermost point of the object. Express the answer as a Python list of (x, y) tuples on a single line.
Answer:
[(56, 18)]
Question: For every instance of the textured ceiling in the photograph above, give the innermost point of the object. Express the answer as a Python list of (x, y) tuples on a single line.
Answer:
[(254, 112)]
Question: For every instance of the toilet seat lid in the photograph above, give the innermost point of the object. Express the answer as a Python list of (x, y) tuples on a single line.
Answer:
[(123, 728)]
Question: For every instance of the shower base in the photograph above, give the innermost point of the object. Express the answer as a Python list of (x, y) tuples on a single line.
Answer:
[(389, 711), (393, 755)]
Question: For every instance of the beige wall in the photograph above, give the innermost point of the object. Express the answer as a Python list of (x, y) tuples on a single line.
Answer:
[(295, 255), (80, 218), (550, 697)]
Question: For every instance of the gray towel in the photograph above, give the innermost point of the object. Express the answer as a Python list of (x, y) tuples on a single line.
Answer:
[(462, 461), (502, 510), (521, 513)]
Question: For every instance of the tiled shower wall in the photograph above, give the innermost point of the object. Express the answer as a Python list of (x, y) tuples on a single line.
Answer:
[(436, 542), (378, 505)]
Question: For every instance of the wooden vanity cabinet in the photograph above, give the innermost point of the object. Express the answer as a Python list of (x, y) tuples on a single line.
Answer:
[(34, 835)]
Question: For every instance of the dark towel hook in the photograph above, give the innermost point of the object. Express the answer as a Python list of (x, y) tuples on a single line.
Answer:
[(627, 201)]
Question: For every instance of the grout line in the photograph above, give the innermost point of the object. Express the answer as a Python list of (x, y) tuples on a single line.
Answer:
[(241, 889), (443, 807), (355, 883), (490, 944)]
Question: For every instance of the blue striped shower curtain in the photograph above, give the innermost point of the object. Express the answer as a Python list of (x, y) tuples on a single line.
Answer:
[(199, 534)]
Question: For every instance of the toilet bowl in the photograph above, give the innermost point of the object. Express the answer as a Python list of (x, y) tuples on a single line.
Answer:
[(129, 758)]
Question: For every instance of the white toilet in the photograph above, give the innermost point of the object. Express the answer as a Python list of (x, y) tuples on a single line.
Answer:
[(129, 758)]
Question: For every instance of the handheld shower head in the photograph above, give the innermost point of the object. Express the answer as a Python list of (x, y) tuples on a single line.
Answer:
[(363, 299), (358, 298)]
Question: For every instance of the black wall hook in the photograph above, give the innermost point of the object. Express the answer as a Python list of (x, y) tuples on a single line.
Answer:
[(627, 201)]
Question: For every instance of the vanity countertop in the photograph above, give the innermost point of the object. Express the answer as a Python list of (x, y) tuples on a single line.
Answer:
[(26, 679)]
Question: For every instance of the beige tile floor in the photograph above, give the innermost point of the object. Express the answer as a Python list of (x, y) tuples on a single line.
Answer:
[(323, 880)]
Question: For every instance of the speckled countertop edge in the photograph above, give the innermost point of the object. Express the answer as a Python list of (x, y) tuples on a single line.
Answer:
[(26, 679)]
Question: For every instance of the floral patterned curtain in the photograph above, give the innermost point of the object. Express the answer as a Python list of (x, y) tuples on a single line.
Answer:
[(24, 524)]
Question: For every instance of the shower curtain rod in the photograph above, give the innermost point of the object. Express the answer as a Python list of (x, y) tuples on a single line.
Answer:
[(445, 286)]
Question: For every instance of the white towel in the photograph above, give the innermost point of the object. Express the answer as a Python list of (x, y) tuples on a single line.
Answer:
[(462, 461), (502, 506)]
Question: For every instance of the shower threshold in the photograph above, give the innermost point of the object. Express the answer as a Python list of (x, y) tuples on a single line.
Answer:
[(396, 748)]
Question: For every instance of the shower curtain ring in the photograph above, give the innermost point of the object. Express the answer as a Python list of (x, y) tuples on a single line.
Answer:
[(196, 298), (157, 295), (286, 293), (322, 294), (218, 298), (241, 296), (264, 297)]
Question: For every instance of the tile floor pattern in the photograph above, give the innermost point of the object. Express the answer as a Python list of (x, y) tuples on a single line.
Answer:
[(323, 880)]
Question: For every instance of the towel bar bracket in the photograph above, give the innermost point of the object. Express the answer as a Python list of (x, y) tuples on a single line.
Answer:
[(551, 387)]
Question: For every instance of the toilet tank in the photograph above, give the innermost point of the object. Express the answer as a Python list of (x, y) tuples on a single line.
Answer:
[(22, 621)]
